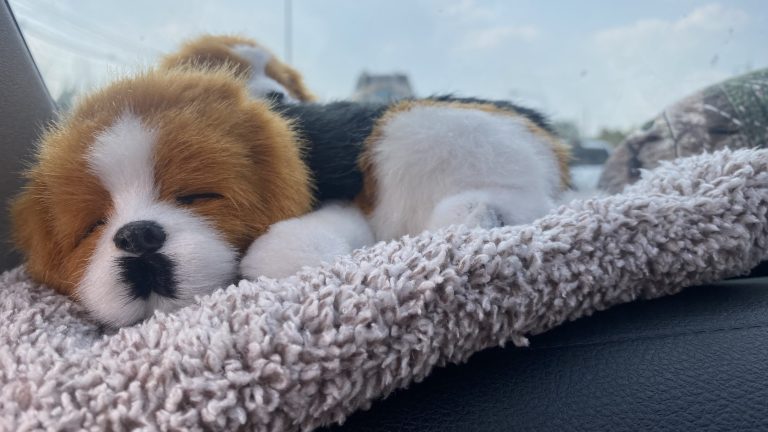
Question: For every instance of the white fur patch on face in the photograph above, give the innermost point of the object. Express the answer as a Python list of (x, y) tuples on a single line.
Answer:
[(260, 85), (122, 158), (442, 165)]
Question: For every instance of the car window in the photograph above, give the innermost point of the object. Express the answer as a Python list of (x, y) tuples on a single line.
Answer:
[(598, 68)]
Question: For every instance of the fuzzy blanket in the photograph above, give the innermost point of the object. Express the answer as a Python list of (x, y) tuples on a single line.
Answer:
[(309, 350)]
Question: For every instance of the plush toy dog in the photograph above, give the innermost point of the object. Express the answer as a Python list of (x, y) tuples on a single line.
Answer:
[(174, 182), (267, 77)]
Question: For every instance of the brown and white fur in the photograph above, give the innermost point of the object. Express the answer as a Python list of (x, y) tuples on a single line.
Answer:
[(173, 183), (266, 75)]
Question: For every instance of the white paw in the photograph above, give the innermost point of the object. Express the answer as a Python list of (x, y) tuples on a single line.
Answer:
[(472, 209), (489, 208), (289, 246)]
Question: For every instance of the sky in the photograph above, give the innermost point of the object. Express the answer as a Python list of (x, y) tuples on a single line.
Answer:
[(598, 63)]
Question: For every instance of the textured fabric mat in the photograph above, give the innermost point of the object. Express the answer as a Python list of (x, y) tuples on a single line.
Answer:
[(306, 351)]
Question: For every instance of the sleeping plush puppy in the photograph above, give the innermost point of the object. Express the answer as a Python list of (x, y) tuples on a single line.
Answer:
[(173, 183), (266, 75)]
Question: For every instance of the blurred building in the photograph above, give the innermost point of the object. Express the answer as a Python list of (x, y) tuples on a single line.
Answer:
[(584, 151), (382, 88), (590, 152)]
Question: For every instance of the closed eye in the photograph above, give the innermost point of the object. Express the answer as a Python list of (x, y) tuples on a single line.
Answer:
[(87, 233), (195, 198), (93, 227)]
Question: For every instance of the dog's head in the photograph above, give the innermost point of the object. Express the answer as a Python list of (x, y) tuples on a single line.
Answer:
[(150, 190), (266, 75)]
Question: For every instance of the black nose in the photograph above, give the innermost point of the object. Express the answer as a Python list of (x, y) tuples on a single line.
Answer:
[(140, 237)]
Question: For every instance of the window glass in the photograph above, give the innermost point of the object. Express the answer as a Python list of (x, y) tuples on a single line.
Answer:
[(597, 68)]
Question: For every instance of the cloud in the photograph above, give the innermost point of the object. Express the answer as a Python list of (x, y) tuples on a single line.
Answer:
[(711, 19), (654, 62), (493, 37), (468, 10), (481, 26)]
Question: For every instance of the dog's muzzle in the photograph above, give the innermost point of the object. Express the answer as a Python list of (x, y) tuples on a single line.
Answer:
[(149, 271)]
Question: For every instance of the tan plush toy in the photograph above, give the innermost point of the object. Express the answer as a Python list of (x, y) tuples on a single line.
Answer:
[(268, 77)]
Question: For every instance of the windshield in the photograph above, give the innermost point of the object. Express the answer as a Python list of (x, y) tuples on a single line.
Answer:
[(598, 69)]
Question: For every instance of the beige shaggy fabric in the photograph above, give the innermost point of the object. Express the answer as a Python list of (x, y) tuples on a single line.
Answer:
[(309, 350)]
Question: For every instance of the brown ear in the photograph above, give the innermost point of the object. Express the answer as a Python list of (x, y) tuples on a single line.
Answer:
[(209, 52), (284, 178), (298, 87), (205, 58), (290, 78), (32, 234)]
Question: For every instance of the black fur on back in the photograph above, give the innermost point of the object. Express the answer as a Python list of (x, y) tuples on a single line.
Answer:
[(536, 117), (334, 134)]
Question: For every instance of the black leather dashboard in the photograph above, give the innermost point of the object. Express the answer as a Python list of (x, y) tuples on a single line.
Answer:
[(694, 361)]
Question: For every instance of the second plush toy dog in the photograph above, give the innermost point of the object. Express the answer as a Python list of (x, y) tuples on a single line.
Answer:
[(266, 76)]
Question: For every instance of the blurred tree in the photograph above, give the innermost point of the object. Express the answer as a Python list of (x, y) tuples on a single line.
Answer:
[(612, 136), (568, 131), (584, 150), (66, 98)]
